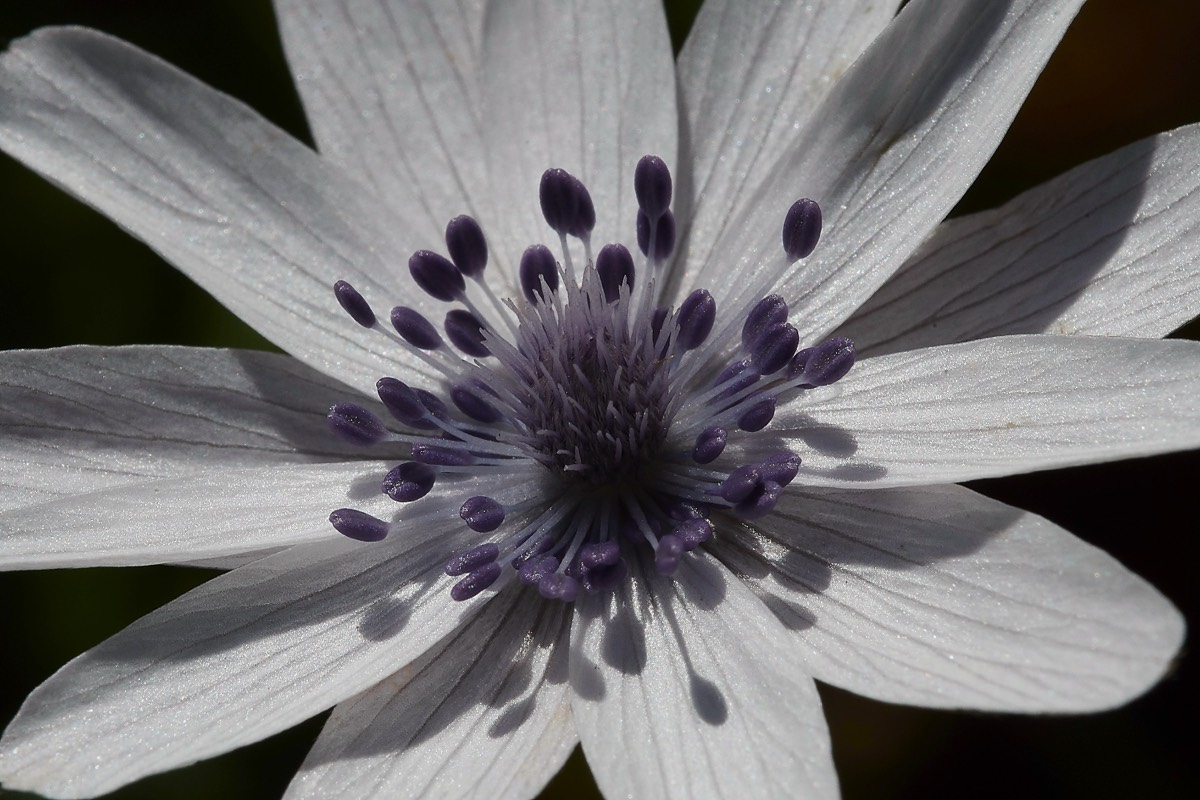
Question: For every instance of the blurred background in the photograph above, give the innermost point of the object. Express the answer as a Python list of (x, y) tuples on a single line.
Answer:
[(1124, 71)]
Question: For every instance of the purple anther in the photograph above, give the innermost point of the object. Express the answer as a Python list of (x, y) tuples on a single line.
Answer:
[(482, 514), (758, 415), (697, 313), (437, 275), (693, 533), (801, 229), (473, 559), (740, 484), (557, 586), (824, 364), (403, 403), (781, 468), (600, 554), (466, 333), (614, 266), (664, 235), (666, 557), (467, 246), (409, 481), (537, 265), (475, 582), (652, 186), (710, 444), (473, 404), (442, 456), (536, 568), (761, 502), (561, 196), (415, 329), (775, 348), (771, 310), (354, 304), (356, 425), (358, 525)]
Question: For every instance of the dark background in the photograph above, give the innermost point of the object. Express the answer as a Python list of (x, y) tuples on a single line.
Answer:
[(1124, 71)]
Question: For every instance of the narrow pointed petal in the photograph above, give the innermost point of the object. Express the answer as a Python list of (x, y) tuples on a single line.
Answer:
[(751, 74), (941, 597), (890, 151), (249, 213), (392, 94), (83, 419), (688, 687), (584, 86), (485, 713), (996, 407), (248, 654), (1111, 248), (214, 513)]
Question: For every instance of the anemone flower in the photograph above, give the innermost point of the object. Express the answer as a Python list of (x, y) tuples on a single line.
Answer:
[(664, 424)]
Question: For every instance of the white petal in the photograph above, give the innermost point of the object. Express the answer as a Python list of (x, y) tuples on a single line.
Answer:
[(252, 215), (888, 153), (248, 654), (751, 74), (689, 688), (938, 596), (586, 86), (391, 93), (82, 419), (215, 513), (996, 407), (486, 715), (1111, 248)]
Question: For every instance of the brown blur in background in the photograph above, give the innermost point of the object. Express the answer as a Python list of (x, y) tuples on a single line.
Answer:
[(1125, 70)]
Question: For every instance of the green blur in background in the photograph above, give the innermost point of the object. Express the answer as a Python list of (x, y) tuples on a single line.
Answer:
[(1126, 70)]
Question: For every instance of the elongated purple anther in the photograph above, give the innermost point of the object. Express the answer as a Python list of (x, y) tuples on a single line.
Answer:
[(415, 329), (436, 275), (403, 403), (801, 229), (824, 364), (697, 313), (709, 445), (652, 186), (775, 348), (467, 246), (358, 525), (355, 424), (475, 582), (566, 203), (771, 310), (614, 266), (466, 333), (538, 265), (473, 559), (354, 304), (482, 514), (409, 481)]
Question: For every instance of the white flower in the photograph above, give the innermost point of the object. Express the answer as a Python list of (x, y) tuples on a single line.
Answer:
[(872, 572)]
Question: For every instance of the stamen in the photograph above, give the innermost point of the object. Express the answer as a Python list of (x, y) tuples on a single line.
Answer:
[(709, 445), (467, 246), (697, 313), (354, 304), (356, 425), (824, 364), (466, 333), (614, 265), (538, 271), (652, 186), (473, 559), (437, 276), (801, 229), (358, 525), (409, 481), (415, 329), (482, 514)]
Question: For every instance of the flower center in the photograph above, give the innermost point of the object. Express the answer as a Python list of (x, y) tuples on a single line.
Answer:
[(606, 427)]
